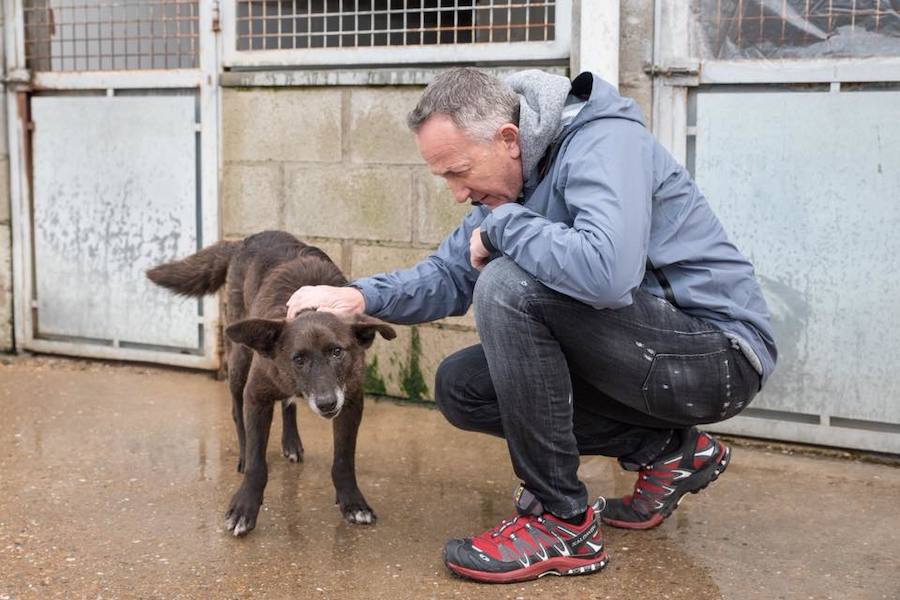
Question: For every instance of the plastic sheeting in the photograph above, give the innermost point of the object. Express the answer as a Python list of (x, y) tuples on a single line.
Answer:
[(766, 29)]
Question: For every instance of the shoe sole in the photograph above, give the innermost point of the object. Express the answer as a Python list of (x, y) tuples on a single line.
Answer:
[(559, 566), (712, 472)]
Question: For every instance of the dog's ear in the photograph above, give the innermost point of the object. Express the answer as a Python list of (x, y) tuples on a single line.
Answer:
[(259, 334), (364, 328)]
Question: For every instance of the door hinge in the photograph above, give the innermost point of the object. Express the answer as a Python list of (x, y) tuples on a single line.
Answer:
[(673, 69)]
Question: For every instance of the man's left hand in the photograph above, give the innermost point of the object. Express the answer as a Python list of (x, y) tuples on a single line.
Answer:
[(327, 298), (478, 254)]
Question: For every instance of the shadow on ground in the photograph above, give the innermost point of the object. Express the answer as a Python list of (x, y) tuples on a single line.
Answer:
[(114, 480)]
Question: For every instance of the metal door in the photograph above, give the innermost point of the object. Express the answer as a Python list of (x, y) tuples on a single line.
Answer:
[(113, 156), (788, 115)]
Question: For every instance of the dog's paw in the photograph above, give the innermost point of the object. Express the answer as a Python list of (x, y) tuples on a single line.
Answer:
[(292, 450), (359, 514), (292, 453), (241, 516)]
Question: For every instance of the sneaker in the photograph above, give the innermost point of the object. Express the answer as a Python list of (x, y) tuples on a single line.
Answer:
[(661, 486), (532, 544)]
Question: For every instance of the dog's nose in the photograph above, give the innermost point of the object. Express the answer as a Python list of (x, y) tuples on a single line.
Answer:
[(328, 408)]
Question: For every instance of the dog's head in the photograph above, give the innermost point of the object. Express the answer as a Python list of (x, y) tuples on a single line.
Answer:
[(318, 353)]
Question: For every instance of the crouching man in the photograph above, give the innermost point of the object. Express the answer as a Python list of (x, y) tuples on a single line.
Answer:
[(614, 314)]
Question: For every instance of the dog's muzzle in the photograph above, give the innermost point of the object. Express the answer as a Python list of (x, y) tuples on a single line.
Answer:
[(327, 405)]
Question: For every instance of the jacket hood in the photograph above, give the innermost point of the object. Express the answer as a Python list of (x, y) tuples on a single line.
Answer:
[(551, 106), (601, 101)]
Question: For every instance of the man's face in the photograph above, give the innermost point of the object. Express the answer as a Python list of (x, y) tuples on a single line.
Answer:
[(485, 172)]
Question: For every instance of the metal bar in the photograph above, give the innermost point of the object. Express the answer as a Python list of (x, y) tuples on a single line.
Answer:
[(351, 77), (835, 435), (491, 23), (125, 79), (195, 361), (801, 71), (389, 56), (830, 15)]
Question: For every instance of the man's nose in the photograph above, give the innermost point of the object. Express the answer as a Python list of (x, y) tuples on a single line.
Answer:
[(460, 192)]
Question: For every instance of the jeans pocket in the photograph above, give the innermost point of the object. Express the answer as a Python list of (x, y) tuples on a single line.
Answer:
[(689, 388)]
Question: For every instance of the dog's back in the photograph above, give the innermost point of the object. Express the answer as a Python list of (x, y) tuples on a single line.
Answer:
[(272, 266), (260, 272)]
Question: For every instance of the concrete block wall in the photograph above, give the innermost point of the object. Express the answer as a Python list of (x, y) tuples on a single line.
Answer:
[(337, 167)]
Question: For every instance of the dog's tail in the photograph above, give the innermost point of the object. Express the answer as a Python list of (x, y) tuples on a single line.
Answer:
[(198, 274)]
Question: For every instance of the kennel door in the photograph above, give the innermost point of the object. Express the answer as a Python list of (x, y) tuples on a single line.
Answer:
[(115, 192), (807, 183)]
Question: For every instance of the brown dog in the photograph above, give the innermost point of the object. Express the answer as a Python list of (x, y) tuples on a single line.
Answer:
[(317, 355)]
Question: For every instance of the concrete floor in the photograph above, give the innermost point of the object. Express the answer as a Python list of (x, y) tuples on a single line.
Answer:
[(114, 480)]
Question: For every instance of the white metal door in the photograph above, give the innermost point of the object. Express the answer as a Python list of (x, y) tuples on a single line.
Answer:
[(788, 115), (114, 116), (112, 197)]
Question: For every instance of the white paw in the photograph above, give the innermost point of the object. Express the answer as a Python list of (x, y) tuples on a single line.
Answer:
[(238, 526), (360, 517)]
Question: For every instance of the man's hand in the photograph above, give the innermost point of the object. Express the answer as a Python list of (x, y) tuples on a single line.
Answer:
[(340, 300), (478, 254)]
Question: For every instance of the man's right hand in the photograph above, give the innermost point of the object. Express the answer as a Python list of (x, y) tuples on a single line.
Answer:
[(339, 300)]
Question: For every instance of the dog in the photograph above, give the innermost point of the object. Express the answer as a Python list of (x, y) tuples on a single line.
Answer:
[(317, 355)]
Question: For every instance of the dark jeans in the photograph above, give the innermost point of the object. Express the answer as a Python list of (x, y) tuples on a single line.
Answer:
[(557, 379)]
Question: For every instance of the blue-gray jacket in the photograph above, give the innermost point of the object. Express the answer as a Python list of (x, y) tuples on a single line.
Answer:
[(610, 199)]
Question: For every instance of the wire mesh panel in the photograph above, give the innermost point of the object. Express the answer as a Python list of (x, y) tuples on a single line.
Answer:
[(101, 35), (300, 24), (735, 29)]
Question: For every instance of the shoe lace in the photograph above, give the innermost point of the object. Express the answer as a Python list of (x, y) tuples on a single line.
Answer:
[(508, 528), (643, 495)]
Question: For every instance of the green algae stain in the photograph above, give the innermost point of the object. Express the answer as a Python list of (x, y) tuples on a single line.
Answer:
[(411, 380), (374, 381)]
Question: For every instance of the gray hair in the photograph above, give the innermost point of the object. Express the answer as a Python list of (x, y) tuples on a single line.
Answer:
[(476, 102)]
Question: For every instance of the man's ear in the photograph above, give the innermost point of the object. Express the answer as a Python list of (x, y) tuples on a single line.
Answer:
[(259, 334), (364, 328), (508, 134)]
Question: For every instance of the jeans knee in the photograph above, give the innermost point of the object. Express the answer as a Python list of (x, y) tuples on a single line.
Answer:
[(446, 393), (501, 283)]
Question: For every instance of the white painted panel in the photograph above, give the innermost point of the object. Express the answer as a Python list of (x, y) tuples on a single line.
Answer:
[(115, 192), (807, 185)]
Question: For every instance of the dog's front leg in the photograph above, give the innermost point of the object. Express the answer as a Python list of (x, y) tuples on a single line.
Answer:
[(241, 516), (239, 359), (291, 446), (343, 471)]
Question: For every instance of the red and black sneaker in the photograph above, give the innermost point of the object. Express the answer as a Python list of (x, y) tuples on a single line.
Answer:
[(661, 486), (530, 545)]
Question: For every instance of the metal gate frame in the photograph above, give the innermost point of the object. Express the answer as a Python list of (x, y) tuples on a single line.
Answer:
[(389, 55), (20, 84), (676, 70)]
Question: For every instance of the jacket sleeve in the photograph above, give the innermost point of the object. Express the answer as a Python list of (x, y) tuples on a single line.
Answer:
[(438, 286), (606, 182)]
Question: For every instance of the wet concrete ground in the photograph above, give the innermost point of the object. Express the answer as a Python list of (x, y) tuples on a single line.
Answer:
[(114, 480)]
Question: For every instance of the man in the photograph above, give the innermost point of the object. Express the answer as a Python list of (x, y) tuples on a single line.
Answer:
[(614, 314)]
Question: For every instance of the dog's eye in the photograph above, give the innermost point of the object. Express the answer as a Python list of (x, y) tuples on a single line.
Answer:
[(337, 352), (299, 359)]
